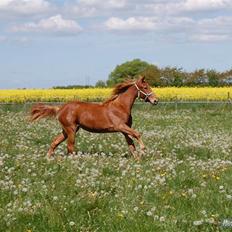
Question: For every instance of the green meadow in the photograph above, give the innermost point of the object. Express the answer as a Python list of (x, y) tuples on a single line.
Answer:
[(182, 183)]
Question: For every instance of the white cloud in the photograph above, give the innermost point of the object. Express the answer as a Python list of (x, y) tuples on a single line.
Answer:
[(147, 24), (221, 23), (81, 11), (88, 8), (110, 4), (168, 18), (141, 23), (24, 6), (54, 24), (186, 6), (214, 29), (206, 4), (209, 38), (211, 29)]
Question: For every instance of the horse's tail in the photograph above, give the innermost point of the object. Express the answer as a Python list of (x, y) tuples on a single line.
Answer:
[(39, 111)]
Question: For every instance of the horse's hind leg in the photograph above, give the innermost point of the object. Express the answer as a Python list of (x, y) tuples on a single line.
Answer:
[(71, 132), (57, 140)]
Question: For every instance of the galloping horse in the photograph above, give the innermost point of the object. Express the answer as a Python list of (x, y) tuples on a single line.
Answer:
[(113, 115)]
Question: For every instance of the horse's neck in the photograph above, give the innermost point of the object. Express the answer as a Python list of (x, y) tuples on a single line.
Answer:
[(127, 98)]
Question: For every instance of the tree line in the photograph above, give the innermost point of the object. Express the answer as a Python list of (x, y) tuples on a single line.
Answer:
[(73, 87), (167, 76)]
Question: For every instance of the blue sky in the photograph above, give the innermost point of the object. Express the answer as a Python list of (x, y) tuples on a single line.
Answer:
[(63, 42)]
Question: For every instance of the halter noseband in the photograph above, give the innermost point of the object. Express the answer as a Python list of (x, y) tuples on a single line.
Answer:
[(140, 91)]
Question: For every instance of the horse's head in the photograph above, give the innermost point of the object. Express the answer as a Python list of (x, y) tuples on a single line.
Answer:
[(145, 92)]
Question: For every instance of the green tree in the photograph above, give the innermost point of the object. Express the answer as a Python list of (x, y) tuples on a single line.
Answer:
[(213, 77), (226, 78), (127, 69), (100, 84), (152, 74), (172, 76), (196, 78)]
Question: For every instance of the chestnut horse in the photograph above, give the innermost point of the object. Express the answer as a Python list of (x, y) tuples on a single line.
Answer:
[(113, 115)]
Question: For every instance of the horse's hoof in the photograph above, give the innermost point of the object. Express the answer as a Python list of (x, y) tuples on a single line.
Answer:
[(71, 154), (50, 154), (50, 157), (143, 148), (138, 158)]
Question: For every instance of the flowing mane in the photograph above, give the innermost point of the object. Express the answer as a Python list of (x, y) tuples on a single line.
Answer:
[(118, 89)]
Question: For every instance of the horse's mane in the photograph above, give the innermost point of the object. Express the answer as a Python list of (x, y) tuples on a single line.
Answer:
[(118, 89)]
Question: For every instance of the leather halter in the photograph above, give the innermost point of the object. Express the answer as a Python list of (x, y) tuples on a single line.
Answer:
[(140, 91)]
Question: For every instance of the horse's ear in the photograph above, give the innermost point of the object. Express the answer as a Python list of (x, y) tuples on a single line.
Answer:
[(141, 78)]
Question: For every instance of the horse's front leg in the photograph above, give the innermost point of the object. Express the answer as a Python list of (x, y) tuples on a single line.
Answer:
[(132, 133), (131, 145)]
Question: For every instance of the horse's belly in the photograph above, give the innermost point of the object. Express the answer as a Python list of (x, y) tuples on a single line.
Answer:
[(98, 130), (98, 123)]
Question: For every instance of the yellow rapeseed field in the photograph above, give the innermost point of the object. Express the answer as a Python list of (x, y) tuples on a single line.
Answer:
[(99, 94)]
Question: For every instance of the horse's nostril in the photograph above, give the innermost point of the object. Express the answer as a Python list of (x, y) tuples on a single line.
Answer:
[(156, 102)]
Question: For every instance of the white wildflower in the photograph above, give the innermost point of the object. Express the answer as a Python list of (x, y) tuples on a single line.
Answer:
[(71, 223), (24, 190), (221, 187), (149, 213), (136, 208), (198, 223)]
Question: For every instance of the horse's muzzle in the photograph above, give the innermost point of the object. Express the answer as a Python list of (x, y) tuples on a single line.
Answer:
[(155, 102)]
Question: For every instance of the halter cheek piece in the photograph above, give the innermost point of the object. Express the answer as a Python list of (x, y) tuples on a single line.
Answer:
[(140, 91)]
